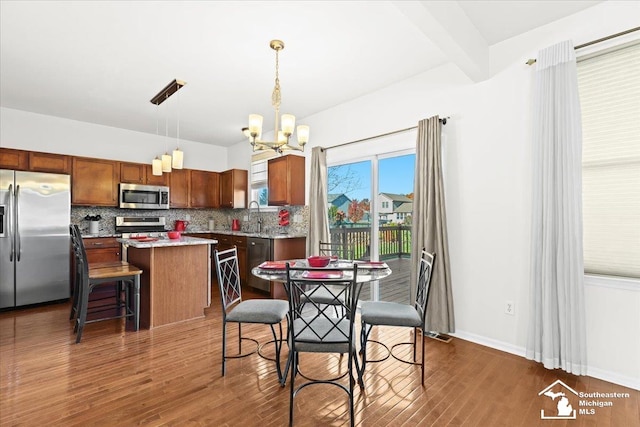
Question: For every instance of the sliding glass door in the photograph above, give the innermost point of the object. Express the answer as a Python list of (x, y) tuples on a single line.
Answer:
[(370, 205)]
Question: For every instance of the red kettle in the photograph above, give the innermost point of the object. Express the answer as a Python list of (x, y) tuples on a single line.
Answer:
[(235, 225), (181, 225)]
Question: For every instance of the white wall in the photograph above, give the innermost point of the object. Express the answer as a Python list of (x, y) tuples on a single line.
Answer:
[(37, 132), (487, 163)]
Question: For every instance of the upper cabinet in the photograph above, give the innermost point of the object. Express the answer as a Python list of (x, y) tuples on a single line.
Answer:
[(94, 182), (286, 180), (152, 179), (205, 189), (14, 159), (34, 161), (180, 184), (52, 163), (140, 173), (233, 189), (133, 173)]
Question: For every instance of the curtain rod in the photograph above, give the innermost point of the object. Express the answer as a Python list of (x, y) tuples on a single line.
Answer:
[(603, 39), (442, 120)]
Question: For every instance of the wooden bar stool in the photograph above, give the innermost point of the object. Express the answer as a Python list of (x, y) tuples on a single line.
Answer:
[(91, 276)]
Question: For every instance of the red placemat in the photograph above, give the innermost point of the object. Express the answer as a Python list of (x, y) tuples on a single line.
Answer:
[(328, 274), (146, 239), (276, 265)]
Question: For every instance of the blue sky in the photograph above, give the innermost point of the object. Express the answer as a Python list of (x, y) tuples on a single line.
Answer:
[(395, 176)]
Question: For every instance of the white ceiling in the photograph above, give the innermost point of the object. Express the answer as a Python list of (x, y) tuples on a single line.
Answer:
[(102, 62)]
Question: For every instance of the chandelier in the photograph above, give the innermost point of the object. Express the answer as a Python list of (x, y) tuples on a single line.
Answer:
[(282, 134)]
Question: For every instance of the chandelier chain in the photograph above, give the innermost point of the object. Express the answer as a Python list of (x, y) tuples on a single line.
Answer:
[(275, 96)]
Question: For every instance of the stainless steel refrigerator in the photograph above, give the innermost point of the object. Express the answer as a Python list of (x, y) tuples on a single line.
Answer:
[(35, 212)]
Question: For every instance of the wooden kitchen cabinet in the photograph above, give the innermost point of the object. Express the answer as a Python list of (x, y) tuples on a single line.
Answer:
[(47, 162), (227, 241), (180, 184), (205, 189), (34, 161), (133, 173), (286, 180), (14, 159), (241, 244), (140, 173), (233, 189), (163, 179), (94, 182), (102, 249)]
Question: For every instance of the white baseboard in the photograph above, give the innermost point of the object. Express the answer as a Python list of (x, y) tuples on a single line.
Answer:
[(600, 374)]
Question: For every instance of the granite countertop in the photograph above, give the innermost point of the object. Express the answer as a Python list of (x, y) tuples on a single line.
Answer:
[(271, 235), (160, 242), (226, 232), (97, 236)]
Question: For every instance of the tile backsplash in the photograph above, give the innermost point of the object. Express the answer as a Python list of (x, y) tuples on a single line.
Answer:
[(199, 218)]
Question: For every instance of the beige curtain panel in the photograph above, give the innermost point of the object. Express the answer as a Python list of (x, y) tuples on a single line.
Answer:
[(318, 219), (429, 229)]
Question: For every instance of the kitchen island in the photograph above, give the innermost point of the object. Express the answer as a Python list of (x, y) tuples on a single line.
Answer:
[(176, 278)]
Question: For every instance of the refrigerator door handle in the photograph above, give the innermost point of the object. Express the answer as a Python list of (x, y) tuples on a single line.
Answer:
[(10, 224), (19, 248)]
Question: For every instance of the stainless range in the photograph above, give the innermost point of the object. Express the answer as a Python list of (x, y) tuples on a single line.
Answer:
[(140, 226)]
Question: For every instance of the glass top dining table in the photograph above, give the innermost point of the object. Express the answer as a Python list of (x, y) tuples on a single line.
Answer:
[(367, 271)]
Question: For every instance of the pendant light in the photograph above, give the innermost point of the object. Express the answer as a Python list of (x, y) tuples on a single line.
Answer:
[(166, 162), (156, 166), (177, 153), (166, 158)]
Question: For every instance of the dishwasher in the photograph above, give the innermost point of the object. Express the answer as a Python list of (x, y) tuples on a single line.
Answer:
[(258, 251)]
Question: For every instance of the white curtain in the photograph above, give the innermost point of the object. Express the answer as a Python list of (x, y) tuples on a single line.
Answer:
[(429, 226), (318, 219), (557, 318)]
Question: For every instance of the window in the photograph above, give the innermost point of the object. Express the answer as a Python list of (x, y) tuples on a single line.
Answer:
[(609, 84), (258, 178), (259, 189)]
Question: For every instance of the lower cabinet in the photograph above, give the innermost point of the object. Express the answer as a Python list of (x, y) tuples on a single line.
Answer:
[(227, 241), (102, 249)]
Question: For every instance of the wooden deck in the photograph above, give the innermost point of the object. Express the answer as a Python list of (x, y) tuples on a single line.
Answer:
[(394, 288)]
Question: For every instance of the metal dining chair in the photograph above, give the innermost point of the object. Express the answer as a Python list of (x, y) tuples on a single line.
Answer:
[(382, 313), (315, 331), (236, 310)]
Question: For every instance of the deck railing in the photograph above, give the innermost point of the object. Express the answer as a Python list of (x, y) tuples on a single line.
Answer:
[(394, 241)]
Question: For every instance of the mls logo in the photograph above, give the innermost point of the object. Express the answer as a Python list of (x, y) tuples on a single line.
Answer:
[(557, 393)]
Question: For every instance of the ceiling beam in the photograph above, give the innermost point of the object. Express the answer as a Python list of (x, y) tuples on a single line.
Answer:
[(446, 25)]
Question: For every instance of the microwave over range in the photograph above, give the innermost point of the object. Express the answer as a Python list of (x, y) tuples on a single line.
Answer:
[(135, 196)]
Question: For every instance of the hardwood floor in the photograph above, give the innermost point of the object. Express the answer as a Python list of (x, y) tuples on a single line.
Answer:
[(172, 376)]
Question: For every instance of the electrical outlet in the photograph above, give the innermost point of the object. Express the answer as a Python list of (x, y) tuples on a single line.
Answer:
[(297, 218), (187, 217), (509, 308), (245, 218)]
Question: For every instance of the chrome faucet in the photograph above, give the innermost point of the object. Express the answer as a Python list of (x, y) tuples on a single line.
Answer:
[(259, 227)]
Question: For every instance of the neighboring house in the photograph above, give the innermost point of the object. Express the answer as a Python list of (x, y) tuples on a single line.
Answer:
[(340, 201), (403, 212), (393, 207)]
